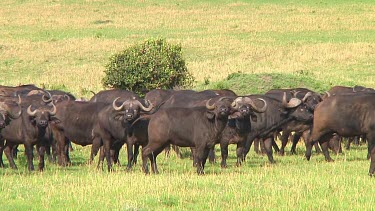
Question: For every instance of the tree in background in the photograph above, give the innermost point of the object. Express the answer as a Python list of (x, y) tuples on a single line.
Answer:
[(149, 65)]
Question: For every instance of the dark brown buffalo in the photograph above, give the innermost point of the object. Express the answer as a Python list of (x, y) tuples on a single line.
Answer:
[(95, 123), (30, 129), (108, 96), (278, 113), (338, 90), (13, 91), (198, 127), (238, 127), (310, 99), (9, 110), (347, 115)]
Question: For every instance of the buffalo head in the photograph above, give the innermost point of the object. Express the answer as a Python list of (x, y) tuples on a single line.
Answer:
[(297, 109), (130, 109), (222, 108), (42, 114), (245, 106), (6, 112), (310, 99)]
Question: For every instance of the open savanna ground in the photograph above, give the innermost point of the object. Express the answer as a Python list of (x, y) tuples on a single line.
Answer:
[(65, 44)]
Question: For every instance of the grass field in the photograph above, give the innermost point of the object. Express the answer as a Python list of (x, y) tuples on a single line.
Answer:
[(267, 44)]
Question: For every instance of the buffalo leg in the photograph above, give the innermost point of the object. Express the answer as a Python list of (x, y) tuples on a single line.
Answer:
[(240, 151), (177, 150), (284, 140), (201, 154), (274, 145), (371, 152), (101, 158), (248, 143), (317, 148), (224, 154), (41, 151), (268, 148), (136, 153), (211, 155), (154, 154), (324, 144), (30, 156), (256, 146), (61, 143), (129, 147), (167, 151), (2, 146), (96, 144), (150, 151), (107, 153), (194, 155), (8, 153), (295, 140)]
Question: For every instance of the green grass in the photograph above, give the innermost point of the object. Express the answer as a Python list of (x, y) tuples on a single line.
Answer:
[(291, 183), (247, 46)]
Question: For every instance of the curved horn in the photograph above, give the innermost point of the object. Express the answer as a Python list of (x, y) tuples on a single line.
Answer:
[(45, 99), (294, 102), (222, 98), (117, 108), (234, 103), (31, 113), (208, 106), (54, 109), (295, 93), (251, 102), (15, 116), (67, 97), (147, 109), (308, 94), (328, 94)]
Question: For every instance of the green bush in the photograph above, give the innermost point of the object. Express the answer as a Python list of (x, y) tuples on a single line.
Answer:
[(149, 65)]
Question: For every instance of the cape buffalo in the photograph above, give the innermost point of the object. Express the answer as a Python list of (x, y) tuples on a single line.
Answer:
[(347, 115), (198, 127), (30, 129), (278, 113)]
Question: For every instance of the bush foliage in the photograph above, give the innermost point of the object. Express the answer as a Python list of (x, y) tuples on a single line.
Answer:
[(149, 65)]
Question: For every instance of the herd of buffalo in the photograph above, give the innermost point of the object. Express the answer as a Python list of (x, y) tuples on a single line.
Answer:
[(51, 119)]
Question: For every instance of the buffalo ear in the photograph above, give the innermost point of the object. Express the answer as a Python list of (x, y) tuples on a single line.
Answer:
[(210, 115), (55, 120), (254, 117)]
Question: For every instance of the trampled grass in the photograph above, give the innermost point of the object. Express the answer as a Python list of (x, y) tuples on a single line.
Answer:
[(65, 45)]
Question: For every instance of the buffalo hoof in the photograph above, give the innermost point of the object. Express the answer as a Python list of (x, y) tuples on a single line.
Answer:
[(272, 161), (200, 172), (224, 165), (330, 160), (238, 164), (281, 153), (307, 157)]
